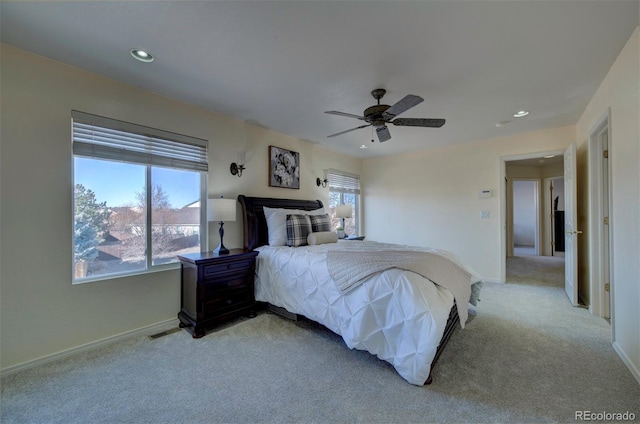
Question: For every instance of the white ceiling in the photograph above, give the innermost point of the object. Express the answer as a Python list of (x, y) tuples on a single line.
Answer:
[(281, 64)]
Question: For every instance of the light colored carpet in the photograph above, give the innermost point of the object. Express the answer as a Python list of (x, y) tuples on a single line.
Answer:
[(527, 356)]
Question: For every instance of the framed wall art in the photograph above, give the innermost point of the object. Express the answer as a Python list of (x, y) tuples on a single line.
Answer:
[(284, 168)]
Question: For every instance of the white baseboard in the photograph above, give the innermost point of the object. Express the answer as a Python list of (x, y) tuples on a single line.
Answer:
[(142, 331), (632, 367)]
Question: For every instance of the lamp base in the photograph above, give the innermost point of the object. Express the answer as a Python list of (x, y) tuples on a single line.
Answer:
[(221, 250)]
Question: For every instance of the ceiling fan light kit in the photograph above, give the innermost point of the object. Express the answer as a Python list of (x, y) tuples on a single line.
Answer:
[(379, 115)]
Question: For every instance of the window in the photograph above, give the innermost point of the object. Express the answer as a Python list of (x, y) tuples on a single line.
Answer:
[(137, 198), (344, 188)]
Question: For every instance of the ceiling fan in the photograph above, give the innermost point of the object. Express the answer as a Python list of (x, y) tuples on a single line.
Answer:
[(379, 116)]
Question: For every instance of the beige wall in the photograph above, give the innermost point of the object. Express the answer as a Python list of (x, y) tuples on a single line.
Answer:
[(41, 312), (619, 93), (430, 198)]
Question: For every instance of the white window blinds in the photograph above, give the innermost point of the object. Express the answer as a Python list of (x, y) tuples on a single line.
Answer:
[(343, 182), (104, 138)]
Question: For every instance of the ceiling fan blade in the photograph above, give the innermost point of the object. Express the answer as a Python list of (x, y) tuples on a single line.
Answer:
[(346, 131), (348, 115), (406, 103), (418, 122), (383, 134)]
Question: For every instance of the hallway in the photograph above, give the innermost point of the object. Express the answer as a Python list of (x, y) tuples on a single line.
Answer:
[(536, 270)]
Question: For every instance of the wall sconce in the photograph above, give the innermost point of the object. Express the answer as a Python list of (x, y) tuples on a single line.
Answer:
[(237, 168), (320, 182)]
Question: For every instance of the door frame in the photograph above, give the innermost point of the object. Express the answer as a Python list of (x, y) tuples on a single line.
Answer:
[(503, 202), (597, 199)]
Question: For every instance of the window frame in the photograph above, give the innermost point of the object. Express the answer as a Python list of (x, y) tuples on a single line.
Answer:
[(154, 134)]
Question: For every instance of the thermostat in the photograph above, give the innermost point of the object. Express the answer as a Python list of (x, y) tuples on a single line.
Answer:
[(485, 194)]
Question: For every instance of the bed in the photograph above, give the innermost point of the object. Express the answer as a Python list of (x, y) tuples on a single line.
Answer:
[(392, 311)]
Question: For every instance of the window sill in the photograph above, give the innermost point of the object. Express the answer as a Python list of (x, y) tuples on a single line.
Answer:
[(92, 279)]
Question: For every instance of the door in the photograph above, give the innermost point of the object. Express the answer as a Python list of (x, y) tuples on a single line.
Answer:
[(570, 226)]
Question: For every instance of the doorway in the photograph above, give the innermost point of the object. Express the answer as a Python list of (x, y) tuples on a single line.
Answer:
[(527, 226), (526, 217), (553, 207)]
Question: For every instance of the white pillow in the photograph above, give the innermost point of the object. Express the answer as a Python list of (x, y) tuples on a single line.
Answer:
[(277, 222), (322, 237)]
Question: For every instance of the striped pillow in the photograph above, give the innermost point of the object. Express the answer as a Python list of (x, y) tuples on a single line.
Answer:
[(320, 223), (298, 228)]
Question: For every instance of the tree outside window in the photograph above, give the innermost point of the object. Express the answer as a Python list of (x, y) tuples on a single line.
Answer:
[(91, 222)]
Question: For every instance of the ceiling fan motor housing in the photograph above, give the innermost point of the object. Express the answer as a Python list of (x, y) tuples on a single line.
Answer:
[(373, 114)]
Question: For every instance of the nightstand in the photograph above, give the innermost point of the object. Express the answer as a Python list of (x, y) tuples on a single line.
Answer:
[(215, 288)]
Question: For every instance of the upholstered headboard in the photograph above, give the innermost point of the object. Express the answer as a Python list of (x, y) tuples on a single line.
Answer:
[(255, 225)]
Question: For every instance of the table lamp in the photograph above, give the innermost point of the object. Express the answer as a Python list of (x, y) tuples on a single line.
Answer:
[(343, 211), (221, 210)]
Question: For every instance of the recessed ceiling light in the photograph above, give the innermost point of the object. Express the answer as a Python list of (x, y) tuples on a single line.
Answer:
[(520, 114), (364, 146), (142, 55), (549, 156)]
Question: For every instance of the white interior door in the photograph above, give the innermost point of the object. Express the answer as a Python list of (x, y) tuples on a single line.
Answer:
[(570, 226)]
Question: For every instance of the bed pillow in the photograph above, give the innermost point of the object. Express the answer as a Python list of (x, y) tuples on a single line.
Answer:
[(277, 222), (322, 237), (320, 223), (298, 229)]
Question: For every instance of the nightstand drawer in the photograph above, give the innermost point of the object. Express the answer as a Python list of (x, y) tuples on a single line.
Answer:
[(220, 269), (227, 301), (212, 287)]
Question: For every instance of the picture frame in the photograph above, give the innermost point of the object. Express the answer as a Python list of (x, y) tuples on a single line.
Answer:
[(284, 168)]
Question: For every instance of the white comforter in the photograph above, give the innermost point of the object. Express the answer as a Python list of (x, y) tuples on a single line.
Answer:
[(397, 315)]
